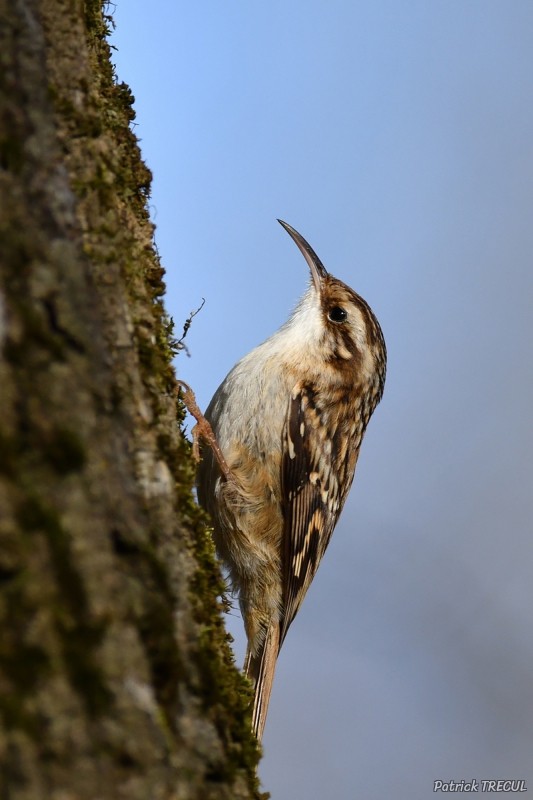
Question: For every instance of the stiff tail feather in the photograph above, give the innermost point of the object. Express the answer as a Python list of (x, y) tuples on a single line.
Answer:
[(260, 670)]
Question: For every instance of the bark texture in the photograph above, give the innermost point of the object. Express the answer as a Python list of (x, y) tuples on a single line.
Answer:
[(116, 676)]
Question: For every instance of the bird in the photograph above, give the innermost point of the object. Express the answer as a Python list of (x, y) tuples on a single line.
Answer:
[(285, 428)]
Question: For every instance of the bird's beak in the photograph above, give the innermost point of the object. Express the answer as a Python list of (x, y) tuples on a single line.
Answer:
[(318, 271)]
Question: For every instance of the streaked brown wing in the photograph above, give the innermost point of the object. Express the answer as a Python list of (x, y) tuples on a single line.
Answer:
[(311, 498)]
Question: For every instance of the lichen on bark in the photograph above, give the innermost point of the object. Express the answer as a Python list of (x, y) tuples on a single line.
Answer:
[(116, 674)]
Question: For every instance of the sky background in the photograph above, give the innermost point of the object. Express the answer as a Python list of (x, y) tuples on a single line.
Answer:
[(397, 137)]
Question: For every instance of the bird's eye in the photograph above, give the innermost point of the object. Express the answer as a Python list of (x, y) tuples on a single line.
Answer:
[(337, 314)]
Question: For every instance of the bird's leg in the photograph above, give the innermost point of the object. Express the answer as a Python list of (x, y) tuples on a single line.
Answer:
[(203, 429)]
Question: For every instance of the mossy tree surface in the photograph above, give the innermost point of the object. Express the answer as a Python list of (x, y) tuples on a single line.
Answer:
[(116, 678)]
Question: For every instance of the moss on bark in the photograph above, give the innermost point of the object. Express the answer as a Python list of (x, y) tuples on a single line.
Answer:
[(116, 673)]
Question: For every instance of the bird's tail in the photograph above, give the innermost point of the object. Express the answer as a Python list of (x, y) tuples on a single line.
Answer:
[(260, 670)]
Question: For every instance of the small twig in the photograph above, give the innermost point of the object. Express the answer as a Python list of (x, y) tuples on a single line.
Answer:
[(180, 344), (228, 606)]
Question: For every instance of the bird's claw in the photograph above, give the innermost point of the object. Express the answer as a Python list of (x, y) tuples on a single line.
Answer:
[(204, 430)]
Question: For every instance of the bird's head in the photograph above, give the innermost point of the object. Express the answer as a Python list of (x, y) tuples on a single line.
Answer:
[(339, 325)]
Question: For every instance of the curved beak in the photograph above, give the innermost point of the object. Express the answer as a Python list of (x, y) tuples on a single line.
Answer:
[(318, 271)]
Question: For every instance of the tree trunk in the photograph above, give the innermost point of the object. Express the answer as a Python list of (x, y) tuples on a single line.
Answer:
[(116, 676)]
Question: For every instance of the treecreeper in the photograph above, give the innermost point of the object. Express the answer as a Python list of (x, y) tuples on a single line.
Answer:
[(285, 429)]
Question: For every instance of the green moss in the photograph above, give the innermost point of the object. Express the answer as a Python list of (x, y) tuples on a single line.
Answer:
[(226, 694), (97, 23), (121, 181)]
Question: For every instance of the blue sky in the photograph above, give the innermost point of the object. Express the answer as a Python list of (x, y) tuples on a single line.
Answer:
[(398, 139)]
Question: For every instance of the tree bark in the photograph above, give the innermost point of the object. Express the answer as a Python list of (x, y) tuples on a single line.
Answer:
[(116, 675)]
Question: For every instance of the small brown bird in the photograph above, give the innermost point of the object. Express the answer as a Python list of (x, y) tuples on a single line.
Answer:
[(286, 429)]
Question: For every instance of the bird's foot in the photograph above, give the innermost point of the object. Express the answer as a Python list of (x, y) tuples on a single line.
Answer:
[(204, 430)]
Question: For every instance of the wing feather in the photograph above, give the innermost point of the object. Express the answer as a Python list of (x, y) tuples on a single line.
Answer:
[(311, 492)]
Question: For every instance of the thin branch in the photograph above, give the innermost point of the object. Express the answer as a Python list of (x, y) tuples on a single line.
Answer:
[(180, 344)]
